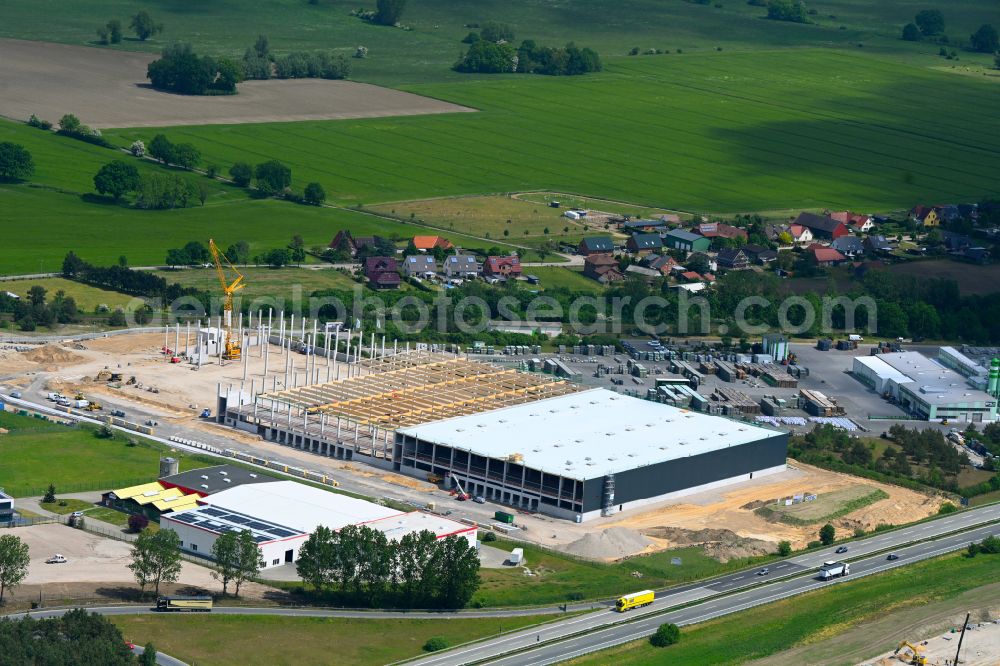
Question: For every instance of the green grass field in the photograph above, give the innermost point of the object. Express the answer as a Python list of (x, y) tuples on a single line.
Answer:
[(427, 52), (710, 132), (87, 298), (236, 640), (766, 630), (267, 282), (35, 454), (559, 578), (554, 276)]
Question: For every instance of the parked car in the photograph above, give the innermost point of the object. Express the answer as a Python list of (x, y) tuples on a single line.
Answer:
[(842, 549), (479, 499), (764, 572), (76, 514), (56, 559), (118, 412), (892, 556), (15, 394)]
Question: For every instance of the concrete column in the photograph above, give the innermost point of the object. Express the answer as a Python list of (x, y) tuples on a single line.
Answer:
[(291, 330), (187, 340)]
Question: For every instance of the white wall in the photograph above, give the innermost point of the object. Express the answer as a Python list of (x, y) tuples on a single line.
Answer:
[(199, 541)]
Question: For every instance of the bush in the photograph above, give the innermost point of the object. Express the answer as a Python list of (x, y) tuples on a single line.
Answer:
[(15, 162), (137, 523), (666, 634), (241, 173), (787, 10), (35, 121), (489, 537), (138, 148), (435, 643), (814, 544), (784, 548), (946, 508), (50, 494), (827, 534), (911, 32), (104, 432)]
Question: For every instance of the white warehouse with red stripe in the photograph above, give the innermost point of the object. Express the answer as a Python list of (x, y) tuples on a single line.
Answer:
[(281, 516)]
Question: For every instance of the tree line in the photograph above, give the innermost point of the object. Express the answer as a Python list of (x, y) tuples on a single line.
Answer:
[(490, 52), (929, 24), (36, 310), (76, 637), (180, 70), (124, 279), (417, 571)]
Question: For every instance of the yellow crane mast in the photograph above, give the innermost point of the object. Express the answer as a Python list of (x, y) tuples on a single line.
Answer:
[(232, 351)]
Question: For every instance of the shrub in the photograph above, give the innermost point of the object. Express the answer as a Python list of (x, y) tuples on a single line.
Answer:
[(947, 507), (911, 32), (137, 523), (784, 548), (361, 52), (666, 634), (435, 643), (489, 537), (138, 148), (35, 121), (104, 432), (50, 494)]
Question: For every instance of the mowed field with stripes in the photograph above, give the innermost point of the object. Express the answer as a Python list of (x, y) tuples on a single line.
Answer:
[(718, 132)]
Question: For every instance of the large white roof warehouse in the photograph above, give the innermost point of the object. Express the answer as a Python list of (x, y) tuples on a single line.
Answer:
[(587, 434), (581, 453)]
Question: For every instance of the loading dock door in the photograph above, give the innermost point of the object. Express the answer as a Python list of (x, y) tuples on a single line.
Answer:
[(288, 555)]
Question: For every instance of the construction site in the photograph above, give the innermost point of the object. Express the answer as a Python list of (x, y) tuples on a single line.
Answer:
[(600, 474)]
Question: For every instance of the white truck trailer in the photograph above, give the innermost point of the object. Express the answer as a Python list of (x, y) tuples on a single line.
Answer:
[(831, 570)]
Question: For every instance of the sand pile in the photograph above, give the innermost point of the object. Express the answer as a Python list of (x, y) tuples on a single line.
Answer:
[(51, 354), (612, 543), (720, 544)]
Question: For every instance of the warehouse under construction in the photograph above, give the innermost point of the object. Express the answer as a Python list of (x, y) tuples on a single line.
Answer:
[(528, 440)]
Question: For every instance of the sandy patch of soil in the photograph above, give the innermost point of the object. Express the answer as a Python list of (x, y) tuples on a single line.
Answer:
[(107, 88)]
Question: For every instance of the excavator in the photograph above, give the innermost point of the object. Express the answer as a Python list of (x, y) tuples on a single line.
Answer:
[(916, 653), (233, 347)]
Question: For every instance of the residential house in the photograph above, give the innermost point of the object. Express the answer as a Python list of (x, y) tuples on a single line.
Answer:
[(878, 244), (849, 246), (596, 245), (826, 256), (603, 268), (949, 212), (719, 230), (758, 254), (859, 224), (382, 272), (800, 235), (925, 215), (697, 257), (461, 266), (663, 264), (955, 242), (419, 264), (821, 226), (344, 241), (509, 266), (428, 243), (370, 242), (679, 239), (732, 259), (644, 243)]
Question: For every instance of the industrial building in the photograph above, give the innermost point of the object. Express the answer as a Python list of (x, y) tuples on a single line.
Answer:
[(976, 374), (590, 453), (927, 389), (281, 515), (405, 412), (6, 507), (176, 491)]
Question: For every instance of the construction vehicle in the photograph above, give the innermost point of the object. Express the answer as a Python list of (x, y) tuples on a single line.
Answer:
[(233, 347), (462, 495), (634, 600), (131, 380), (915, 655), (206, 413), (94, 406), (434, 478), (108, 376)]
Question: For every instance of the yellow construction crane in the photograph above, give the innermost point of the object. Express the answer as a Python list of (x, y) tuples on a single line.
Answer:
[(232, 351)]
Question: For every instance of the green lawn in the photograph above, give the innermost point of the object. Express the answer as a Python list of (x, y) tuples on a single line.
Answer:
[(74, 460), (427, 51), (766, 630), (568, 278), (268, 282), (236, 640), (87, 298), (559, 578), (717, 132), (65, 506)]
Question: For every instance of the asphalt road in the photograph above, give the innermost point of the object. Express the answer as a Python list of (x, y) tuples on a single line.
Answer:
[(580, 635)]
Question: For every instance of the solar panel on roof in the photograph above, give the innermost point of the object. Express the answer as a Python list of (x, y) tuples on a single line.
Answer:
[(260, 539), (213, 512), (184, 517), (254, 525), (277, 531), (239, 520)]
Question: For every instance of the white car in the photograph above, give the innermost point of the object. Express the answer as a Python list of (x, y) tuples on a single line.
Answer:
[(56, 559)]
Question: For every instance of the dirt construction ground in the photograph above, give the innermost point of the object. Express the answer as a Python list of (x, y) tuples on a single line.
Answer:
[(107, 88), (93, 561)]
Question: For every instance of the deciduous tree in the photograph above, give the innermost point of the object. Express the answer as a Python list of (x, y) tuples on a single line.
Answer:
[(15, 162), (985, 39), (117, 178), (930, 22), (144, 26), (389, 12), (14, 560)]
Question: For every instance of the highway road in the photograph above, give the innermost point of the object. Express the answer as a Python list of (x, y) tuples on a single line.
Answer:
[(580, 635)]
